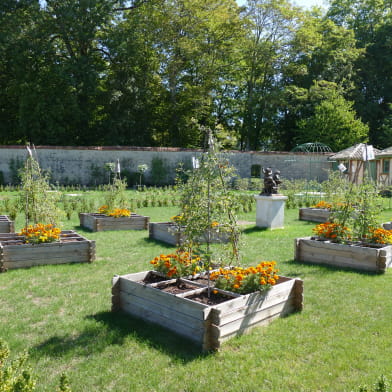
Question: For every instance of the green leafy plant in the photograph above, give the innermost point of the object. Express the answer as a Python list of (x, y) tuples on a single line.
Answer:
[(115, 194), (206, 198), (39, 200), (358, 210), (353, 214), (11, 206), (382, 385), (15, 375), (367, 205)]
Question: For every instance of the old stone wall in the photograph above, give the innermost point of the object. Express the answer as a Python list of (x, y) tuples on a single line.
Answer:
[(86, 165)]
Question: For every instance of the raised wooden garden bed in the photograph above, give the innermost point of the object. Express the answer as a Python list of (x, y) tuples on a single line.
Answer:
[(355, 256), (208, 325), (166, 232), (6, 225), (387, 225), (72, 248), (101, 222), (314, 214)]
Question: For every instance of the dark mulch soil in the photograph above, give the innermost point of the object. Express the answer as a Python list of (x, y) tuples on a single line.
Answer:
[(177, 288), (213, 299), (153, 278)]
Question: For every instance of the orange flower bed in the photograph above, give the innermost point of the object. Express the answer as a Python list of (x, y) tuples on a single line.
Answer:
[(115, 213), (332, 231), (246, 280), (323, 204), (40, 233), (176, 265), (380, 236), (178, 219)]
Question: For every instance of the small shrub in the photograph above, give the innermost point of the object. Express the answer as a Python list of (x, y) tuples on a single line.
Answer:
[(382, 385)]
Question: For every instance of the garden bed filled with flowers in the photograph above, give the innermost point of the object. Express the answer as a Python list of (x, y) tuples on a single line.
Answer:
[(352, 239), (183, 292), (334, 244), (172, 232), (320, 212), (229, 303), (113, 219), (41, 244)]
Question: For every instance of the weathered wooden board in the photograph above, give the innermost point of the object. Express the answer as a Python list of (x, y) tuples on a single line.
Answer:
[(255, 310), (342, 255), (6, 225), (387, 225), (243, 325), (72, 248), (320, 215), (101, 222), (165, 232), (205, 325)]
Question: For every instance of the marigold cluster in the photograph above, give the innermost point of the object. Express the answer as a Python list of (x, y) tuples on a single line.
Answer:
[(175, 265), (323, 204), (246, 280), (103, 209), (178, 219), (40, 233), (115, 212), (332, 231), (380, 236)]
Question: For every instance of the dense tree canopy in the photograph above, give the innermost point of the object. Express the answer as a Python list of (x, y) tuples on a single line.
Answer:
[(267, 75)]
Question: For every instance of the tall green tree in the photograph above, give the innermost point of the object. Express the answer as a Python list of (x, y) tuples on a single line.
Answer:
[(196, 53), (371, 21), (133, 89), (17, 21), (334, 123), (322, 59), (269, 24)]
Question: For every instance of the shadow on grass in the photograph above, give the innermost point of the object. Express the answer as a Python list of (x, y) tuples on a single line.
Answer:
[(323, 269), (255, 229), (151, 241), (111, 329), (82, 229)]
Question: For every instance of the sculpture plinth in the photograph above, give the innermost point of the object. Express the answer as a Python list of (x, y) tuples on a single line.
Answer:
[(270, 211)]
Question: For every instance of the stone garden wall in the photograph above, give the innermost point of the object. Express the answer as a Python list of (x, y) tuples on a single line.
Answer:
[(86, 165)]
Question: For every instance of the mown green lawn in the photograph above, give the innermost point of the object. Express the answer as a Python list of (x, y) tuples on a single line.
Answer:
[(61, 316)]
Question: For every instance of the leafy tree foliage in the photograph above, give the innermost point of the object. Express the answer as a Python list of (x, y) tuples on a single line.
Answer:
[(149, 72), (334, 123), (371, 22)]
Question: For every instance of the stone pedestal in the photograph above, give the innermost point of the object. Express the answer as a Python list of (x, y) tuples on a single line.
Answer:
[(270, 211)]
